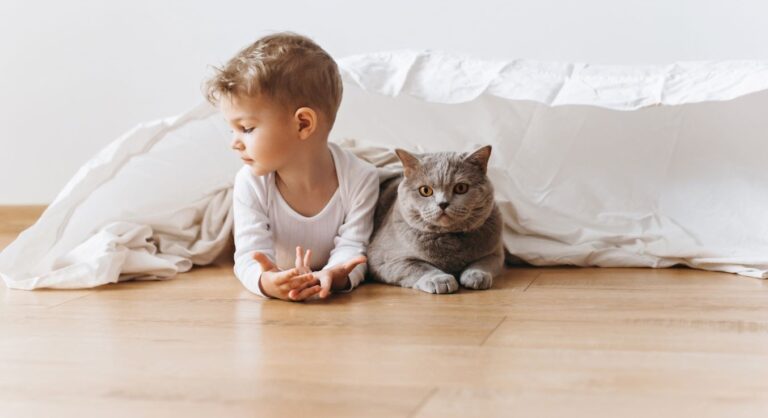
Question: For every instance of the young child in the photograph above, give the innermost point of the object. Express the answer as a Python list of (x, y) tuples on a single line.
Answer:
[(280, 95)]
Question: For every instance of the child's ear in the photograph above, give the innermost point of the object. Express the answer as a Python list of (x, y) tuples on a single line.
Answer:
[(306, 121), (410, 162), (480, 157)]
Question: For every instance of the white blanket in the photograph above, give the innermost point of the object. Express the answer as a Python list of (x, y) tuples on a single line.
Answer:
[(593, 165)]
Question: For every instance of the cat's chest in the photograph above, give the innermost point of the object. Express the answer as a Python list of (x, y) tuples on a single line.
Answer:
[(438, 244), (448, 252)]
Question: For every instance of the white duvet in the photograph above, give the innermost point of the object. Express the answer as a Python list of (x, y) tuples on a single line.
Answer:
[(592, 165)]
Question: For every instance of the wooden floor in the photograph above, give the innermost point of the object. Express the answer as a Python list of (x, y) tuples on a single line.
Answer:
[(544, 342)]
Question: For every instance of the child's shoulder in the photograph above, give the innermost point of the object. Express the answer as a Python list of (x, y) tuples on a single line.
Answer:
[(351, 166), (359, 179), (246, 183)]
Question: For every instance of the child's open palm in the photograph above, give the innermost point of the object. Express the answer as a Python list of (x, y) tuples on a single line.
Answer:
[(295, 284), (331, 278)]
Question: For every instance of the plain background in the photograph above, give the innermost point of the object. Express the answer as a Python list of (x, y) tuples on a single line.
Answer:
[(75, 75)]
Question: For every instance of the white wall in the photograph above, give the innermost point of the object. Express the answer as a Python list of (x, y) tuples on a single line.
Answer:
[(75, 75)]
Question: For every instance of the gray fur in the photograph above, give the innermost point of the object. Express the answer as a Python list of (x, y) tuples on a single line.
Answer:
[(412, 247)]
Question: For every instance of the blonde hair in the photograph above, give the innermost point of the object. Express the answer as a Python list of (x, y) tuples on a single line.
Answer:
[(287, 67)]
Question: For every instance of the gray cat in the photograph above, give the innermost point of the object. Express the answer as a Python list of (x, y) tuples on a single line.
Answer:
[(436, 222)]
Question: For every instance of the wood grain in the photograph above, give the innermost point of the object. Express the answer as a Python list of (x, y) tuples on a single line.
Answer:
[(544, 342)]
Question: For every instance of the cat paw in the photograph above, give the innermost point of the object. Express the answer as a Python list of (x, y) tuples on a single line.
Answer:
[(476, 279), (439, 283)]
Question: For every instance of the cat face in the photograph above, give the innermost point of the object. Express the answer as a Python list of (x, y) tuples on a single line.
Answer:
[(445, 191)]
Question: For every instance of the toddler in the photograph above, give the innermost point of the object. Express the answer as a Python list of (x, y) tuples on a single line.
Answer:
[(303, 206)]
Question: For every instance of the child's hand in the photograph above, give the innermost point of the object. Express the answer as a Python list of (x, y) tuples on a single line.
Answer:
[(294, 284), (332, 278), (302, 265), (336, 277), (302, 260)]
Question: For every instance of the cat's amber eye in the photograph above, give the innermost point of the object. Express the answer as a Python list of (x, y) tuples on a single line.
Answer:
[(425, 191), (460, 188)]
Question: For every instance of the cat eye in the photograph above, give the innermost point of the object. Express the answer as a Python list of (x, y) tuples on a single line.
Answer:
[(425, 191), (460, 188)]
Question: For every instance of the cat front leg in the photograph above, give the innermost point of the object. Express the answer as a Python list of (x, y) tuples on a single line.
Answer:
[(480, 273), (417, 274), (437, 281)]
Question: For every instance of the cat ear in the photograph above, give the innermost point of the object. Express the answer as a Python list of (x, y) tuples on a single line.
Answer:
[(410, 162), (480, 157)]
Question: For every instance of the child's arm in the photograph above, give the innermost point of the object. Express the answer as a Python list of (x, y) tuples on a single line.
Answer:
[(252, 234), (255, 265), (355, 233)]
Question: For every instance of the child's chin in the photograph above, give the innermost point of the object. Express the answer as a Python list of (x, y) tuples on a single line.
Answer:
[(259, 171)]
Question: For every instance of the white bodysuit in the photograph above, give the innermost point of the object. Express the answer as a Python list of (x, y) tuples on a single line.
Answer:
[(264, 222)]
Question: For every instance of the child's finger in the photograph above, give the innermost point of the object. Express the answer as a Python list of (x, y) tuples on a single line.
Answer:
[(264, 261), (351, 264), (300, 282), (307, 258), (299, 257), (285, 275), (298, 276), (326, 288), (302, 287), (305, 293)]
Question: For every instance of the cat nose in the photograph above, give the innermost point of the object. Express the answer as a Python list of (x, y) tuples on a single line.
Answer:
[(443, 205)]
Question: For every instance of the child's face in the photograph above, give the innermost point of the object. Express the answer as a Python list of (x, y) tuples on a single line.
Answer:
[(263, 133)]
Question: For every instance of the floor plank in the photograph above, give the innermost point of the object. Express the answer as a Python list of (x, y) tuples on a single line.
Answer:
[(544, 342)]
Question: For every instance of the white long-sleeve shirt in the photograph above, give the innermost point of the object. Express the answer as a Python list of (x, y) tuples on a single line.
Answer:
[(264, 222)]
